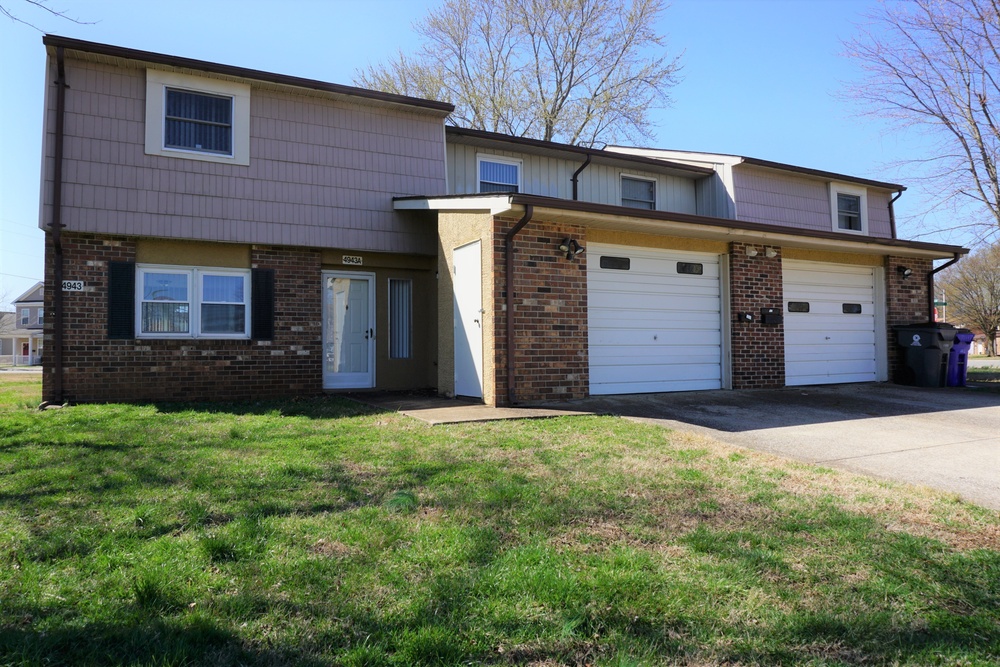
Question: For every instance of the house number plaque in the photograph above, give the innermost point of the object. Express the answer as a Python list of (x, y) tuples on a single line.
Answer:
[(354, 260), (72, 285)]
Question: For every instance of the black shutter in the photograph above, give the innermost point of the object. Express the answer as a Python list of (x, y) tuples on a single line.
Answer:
[(121, 300), (262, 304)]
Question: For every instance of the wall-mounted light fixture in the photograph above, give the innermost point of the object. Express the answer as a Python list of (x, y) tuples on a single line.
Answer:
[(751, 251), (771, 253), (904, 272), (570, 247)]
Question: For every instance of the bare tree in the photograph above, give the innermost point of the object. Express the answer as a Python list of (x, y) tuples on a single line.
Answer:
[(40, 5), (933, 65), (972, 290), (579, 71)]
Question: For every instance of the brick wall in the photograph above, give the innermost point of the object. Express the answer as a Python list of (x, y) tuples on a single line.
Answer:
[(98, 369), (758, 359), (550, 324), (907, 301)]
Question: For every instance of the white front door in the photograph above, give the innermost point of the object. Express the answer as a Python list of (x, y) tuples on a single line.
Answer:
[(348, 330), (468, 289)]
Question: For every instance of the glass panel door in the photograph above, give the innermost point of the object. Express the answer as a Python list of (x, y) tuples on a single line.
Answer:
[(348, 330)]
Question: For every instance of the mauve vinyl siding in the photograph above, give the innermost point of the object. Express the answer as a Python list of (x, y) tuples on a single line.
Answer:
[(790, 201), (550, 177), (322, 172)]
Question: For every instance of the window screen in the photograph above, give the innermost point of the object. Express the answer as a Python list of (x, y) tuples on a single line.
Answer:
[(638, 193), (498, 176), (400, 319), (849, 212), (199, 122)]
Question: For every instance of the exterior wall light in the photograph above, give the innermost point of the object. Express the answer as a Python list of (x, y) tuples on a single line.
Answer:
[(570, 247), (771, 253), (904, 272), (751, 251)]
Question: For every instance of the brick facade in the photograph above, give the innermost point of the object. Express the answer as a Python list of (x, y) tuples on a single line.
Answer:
[(758, 350), (550, 325), (97, 369), (906, 301)]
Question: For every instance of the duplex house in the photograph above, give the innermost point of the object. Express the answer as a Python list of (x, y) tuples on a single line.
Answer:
[(21, 336), (218, 232)]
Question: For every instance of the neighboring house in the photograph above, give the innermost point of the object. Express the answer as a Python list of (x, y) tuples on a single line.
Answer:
[(21, 337), (233, 234)]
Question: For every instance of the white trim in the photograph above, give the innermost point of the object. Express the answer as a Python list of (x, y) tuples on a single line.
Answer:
[(845, 189), (726, 312), (881, 327), (493, 205), (500, 159), (637, 177), (194, 286), (157, 82), (349, 380)]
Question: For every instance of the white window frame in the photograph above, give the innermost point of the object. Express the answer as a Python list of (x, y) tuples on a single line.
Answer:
[(499, 159), (25, 318), (157, 83), (845, 189), (195, 289), (41, 316), (636, 177)]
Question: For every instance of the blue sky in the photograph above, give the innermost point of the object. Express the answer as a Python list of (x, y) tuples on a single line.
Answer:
[(761, 78)]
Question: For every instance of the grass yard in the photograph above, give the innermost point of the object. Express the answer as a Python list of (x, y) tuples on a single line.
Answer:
[(316, 532), (989, 375)]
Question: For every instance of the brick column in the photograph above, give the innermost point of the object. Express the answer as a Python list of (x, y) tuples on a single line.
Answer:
[(758, 351), (906, 300)]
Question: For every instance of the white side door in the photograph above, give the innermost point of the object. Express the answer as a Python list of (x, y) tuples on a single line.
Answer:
[(348, 330), (468, 290)]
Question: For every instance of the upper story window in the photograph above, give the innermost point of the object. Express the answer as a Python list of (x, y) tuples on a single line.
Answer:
[(25, 317), (197, 118), (192, 302), (849, 206), (41, 316), (638, 193), (498, 174), (198, 122)]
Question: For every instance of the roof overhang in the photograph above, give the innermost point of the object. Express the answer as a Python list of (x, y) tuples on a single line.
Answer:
[(118, 55), (619, 218)]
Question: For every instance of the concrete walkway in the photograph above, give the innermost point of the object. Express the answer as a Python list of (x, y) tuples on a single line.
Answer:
[(947, 439)]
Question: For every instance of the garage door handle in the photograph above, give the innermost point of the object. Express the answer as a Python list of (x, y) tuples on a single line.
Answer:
[(828, 338)]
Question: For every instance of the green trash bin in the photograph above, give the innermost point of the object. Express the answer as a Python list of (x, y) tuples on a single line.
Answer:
[(925, 349)]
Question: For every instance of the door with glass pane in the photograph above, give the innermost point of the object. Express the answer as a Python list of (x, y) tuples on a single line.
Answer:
[(348, 330)]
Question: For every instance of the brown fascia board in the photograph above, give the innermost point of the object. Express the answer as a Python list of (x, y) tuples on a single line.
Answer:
[(826, 175), (111, 51), (607, 209), (554, 147)]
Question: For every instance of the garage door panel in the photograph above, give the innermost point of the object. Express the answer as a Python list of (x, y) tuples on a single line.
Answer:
[(651, 328), (827, 345)]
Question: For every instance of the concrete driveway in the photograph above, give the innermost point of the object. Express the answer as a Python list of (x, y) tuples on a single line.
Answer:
[(947, 439)]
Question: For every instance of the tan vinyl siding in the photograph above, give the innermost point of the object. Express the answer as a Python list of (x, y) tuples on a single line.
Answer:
[(322, 172), (550, 177), (793, 201)]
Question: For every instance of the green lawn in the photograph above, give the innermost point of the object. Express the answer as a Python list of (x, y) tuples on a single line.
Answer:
[(319, 532)]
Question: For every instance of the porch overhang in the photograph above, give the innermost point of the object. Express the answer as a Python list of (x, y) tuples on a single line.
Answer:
[(620, 218)]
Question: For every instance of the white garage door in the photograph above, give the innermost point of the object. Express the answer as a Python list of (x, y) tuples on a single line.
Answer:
[(831, 319), (655, 320)]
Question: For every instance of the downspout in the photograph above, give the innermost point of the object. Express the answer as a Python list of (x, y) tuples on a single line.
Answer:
[(56, 230), (509, 287), (930, 286), (892, 213), (576, 173)]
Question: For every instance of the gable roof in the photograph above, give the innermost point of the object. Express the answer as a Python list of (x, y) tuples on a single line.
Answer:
[(35, 294), (114, 54)]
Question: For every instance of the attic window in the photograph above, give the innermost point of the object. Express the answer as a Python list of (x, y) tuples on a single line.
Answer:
[(638, 193), (849, 208), (498, 174)]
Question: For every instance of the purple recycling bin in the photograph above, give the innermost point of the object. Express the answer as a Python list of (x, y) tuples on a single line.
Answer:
[(958, 358)]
